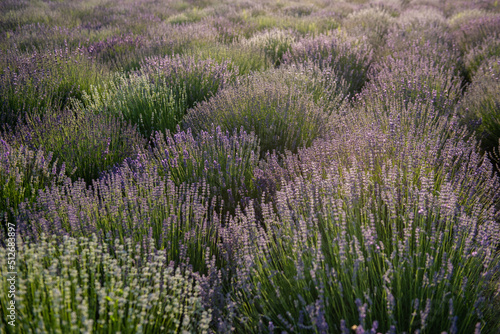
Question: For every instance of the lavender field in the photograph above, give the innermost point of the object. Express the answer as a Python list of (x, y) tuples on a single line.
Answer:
[(203, 166)]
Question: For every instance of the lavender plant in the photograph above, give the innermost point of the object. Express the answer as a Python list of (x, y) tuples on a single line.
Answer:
[(374, 23), (228, 31), (134, 202), (201, 79), (23, 172), (348, 250), (489, 49), (282, 117), (475, 31), (148, 102), (80, 285), (39, 82), (349, 58), (299, 10), (427, 42), (168, 39), (157, 97), (422, 18), (274, 42), (309, 25), (226, 162), (462, 17), (247, 58), (119, 52), (87, 143), (481, 105), (411, 77), (327, 90)]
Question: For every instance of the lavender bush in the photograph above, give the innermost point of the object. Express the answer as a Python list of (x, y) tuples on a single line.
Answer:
[(282, 117), (148, 102), (304, 25), (274, 42), (157, 97), (422, 18), (398, 184), (374, 23), (168, 39), (299, 10), (80, 285), (473, 32), (226, 162), (411, 77), (38, 82), (86, 143), (327, 90), (228, 31), (23, 172), (489, 49), (346, 250), (247, 58), (349, 58), (431, 43), (462, 16), (481, 104), (201, 79), (119, 52)]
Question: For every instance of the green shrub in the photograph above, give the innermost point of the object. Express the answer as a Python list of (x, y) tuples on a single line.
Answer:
[(87, 143), (23, 172), (200, 78), (40, 82), (275, 43), (480, 105), (282, 117), (225, 161), (84, 286), (150, 103), (246, 58)]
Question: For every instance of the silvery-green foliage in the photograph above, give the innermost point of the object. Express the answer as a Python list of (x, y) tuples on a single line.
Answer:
[(87, 143), (480, 105), (23, 172), (226, 161), (149, 103), (275, 43), (349, 58), (374, 23), (283, 117), (80, 285)]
